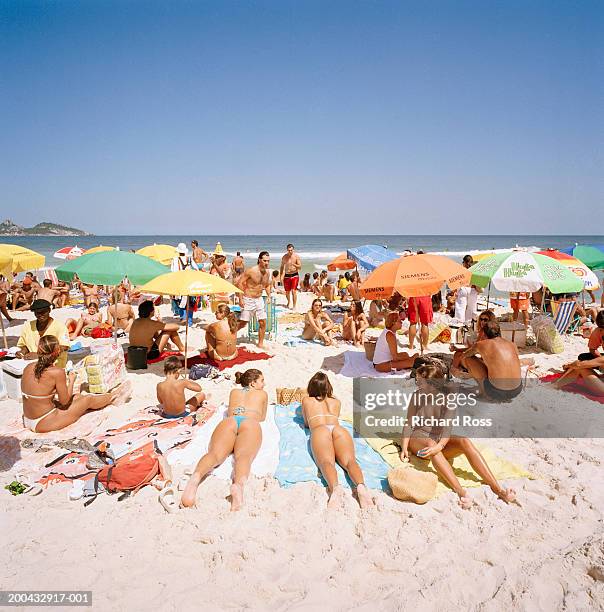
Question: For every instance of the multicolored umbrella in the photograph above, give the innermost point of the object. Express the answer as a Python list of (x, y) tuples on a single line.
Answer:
[(110, 268), (592, 255), (414, 276), (523, 271), (590, 280), (23, 259), (69, 252)]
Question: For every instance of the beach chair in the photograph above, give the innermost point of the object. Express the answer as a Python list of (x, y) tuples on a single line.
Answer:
[(271, 321), (51, 275), (564, 315)]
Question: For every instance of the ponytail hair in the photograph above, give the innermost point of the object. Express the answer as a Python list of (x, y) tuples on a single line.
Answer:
[(48, 350), (231, 318), (245, 379)]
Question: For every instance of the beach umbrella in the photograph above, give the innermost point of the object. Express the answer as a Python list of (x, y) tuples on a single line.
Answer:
[(6, 267), (592, 255), (218, 250), (341, 262), (69, 252), (370, 256), (110, 268), (100, 249), (414, 276), (523, 271), (23, 259), (590, 280), (189, 283), (163, 253)]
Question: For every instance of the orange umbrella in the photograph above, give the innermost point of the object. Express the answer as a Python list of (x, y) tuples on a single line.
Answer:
[(341, 262), (414, 276)]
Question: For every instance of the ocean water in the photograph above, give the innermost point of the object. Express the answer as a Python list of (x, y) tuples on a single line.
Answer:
[(316, 249)]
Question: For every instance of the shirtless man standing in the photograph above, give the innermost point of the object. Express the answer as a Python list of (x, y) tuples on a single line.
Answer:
[(252, 282), (289, 272), (497, 371), (199, 255), (238, 266), (151, 334)]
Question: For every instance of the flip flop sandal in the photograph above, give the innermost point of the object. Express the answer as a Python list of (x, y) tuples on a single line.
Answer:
[(167, 498)]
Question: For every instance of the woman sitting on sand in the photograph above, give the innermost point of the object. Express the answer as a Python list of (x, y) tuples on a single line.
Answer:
[(88, 321), (49, 403), (239, 433), (435, 443), (318, 324), (305, 286), (221, 337), (377, 312), (585, 371), (330, 442), (387, 357), (355, 324)]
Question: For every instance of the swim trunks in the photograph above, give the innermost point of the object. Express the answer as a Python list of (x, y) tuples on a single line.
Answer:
[(153, 352), (251, 306), (502, 395), (424, 306), (519, 301), (290, 281)]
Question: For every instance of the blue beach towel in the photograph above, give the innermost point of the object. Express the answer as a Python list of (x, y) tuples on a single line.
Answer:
[(295, 459)]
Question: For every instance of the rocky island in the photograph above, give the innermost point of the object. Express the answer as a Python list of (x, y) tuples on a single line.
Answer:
[(8, 228)]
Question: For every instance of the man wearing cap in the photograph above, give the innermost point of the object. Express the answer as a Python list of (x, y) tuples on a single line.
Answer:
[(182, 262), (25, 292), (43, 325)]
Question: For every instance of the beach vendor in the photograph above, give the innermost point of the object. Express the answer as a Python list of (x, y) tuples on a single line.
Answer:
[(290, 274), (183, 261), (43, 325)]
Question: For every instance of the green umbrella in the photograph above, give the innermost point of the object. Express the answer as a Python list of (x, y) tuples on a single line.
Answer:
[(110, 268), (523, 271), (592, 255)]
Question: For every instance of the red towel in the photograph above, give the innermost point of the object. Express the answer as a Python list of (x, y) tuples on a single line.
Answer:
[(575, 387), (242, 356)]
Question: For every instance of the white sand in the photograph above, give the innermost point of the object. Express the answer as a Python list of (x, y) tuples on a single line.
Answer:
[(285, 551)]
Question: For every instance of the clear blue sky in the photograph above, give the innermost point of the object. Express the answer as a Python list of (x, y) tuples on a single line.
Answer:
[(303, 117)]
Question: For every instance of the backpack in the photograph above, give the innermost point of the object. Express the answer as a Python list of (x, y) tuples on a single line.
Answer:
[(129, 473)]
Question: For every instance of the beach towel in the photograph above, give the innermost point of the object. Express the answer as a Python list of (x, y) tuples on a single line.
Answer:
[(243, 356), (575, 387), (295, 459), (356, 365), (502, 469), (265, 463)]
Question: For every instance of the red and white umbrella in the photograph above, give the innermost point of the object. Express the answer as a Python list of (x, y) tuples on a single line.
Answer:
[(69, 252)]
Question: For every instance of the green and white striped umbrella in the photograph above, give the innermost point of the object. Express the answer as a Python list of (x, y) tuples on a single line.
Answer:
[(523, 271)]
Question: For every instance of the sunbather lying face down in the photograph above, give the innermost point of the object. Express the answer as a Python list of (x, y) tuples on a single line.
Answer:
[(238, 433)]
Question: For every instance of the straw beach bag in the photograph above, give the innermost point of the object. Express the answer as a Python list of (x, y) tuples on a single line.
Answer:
[(287, 396), (409, 484)]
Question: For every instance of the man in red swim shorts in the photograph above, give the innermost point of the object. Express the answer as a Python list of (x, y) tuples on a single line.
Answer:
[(421, 306), (289, 272)]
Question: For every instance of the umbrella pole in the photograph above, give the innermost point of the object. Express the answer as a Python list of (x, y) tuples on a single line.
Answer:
[(187, 336), (115, 318), (3, 331), (488, 294)]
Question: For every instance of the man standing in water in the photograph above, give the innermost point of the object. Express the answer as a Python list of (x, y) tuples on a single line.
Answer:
[(289, 273), (252, 282)]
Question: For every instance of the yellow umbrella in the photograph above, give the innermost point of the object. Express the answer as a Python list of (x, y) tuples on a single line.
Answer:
[(23, 259), (6, 264), (163, 253), (188, 282), (99, 249), (218, 250)]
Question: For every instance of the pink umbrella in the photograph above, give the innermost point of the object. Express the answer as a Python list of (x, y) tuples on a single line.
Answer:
[(69, 252)]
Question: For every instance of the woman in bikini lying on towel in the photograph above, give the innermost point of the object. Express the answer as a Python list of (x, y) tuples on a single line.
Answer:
[(330, 442), (239, 433), (589, 372), (49, 403), (221, 337)]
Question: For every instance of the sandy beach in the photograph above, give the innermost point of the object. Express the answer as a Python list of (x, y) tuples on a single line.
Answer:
[(284, 550)]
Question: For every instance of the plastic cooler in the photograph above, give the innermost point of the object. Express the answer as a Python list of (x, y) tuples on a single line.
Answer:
[(13, 372)]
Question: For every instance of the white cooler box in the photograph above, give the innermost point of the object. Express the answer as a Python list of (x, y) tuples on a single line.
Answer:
[(13, 371)]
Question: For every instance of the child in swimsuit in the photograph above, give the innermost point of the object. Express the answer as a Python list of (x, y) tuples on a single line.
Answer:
[(330, 442), (171, 392), (239, 433)]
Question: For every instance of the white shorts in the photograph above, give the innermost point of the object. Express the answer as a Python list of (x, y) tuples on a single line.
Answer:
[(253, 305)]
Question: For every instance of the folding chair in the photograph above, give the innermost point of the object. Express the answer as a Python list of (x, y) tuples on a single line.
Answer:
[(271, 320), (564, 313)]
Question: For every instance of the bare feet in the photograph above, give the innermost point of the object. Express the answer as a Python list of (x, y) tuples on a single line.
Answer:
[(121, 394), (336, 499), (365, 498), (507, 495), (190, 493), (465, 501), (236, 497)]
